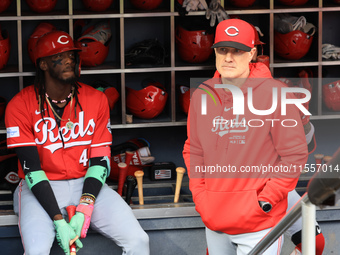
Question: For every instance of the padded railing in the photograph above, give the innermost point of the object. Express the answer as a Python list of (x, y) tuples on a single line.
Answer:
[(322, 190)]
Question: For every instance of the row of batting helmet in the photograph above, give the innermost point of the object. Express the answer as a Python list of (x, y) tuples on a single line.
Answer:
[(42, 6), (249, 3), (93, 42)]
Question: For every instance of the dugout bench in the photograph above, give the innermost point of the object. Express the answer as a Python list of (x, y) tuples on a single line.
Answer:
[(173, 228)]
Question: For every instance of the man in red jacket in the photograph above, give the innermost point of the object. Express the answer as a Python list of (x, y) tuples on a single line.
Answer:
[(244, 151)]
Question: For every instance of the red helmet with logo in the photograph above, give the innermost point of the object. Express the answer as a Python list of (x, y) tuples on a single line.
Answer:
[(97, 5), (41, 29), (293, 2), (148, 102), (242, 3), (4, 4), (5, 48), (293, 45), (146, 4), (331, 95), (94, 44), (41, 6), (53, 43), (194, 46)]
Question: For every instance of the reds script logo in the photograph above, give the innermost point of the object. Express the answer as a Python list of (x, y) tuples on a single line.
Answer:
[(63, 42), (79, 130)]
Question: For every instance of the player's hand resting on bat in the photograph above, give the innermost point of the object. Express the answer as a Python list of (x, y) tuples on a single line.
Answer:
[(65, 234), (80, 222)]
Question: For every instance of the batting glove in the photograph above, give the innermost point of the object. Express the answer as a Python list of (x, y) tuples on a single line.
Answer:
[(194, 5), (80, 222), (216, 11), (65, 234)]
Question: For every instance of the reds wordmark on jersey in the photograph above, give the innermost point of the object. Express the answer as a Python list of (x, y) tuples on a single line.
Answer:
[(91, 129)]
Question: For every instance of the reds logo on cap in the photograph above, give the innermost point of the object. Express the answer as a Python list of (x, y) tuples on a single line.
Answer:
[(63, 42), (233, 33)]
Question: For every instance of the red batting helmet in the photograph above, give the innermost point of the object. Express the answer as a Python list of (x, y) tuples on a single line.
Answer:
[(97, 5), (112, 95), (257, 37), (242, 3), (148, 102), (4, 4), (94, 44), (303, 82), (5, 48), (53, 43), (293, 2), (41, 29), (146, 4), (331, 95), (194, 46), (41, 5), (293, 45), (184, 98)]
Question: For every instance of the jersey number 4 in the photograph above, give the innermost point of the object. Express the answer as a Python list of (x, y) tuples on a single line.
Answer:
[(83, 158)]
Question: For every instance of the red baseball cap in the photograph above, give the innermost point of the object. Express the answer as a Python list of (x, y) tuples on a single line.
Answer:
[(235, 33)]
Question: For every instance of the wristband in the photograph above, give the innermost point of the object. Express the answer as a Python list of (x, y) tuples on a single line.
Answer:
[(97, 172), (33, 178)]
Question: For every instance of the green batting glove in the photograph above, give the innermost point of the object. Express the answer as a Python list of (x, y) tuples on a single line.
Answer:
[(64, 235), (77, 222)]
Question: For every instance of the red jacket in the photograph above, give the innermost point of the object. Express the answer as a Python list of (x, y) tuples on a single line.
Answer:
[(228, 201)]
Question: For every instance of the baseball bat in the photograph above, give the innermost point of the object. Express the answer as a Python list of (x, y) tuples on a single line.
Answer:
[(139, 175), (180, 172), (71, 210), (130, 186), (128, 157), (122, 174)]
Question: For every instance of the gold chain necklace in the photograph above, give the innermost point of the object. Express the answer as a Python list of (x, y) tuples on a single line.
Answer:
[(69, 124)]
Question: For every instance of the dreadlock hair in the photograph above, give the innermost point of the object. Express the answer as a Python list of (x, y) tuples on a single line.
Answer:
[(40, 91)]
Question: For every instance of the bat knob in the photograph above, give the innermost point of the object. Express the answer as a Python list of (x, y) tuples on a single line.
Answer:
[(326, 159), (180, 170), (139, 173)]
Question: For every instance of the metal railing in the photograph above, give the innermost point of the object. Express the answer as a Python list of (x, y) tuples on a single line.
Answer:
[(323, 185)]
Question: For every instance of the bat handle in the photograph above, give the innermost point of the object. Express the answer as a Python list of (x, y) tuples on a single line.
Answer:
[(122, 175), (139, 175), (128, 157), (180, 172), (131, 184), (71, 210)]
